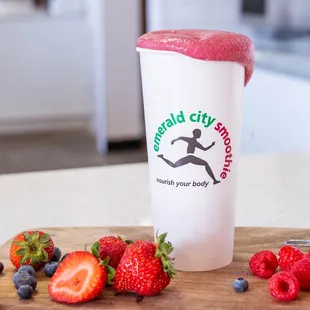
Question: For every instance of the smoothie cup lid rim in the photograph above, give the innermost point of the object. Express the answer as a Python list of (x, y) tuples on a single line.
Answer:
[(148, 50)]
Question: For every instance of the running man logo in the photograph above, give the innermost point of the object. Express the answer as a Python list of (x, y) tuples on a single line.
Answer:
[(192, 159), (207, 122)]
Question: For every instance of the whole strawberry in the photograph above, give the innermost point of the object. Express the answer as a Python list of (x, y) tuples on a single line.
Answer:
[(288, 256), (145, 268), (110, 247), (34, 248)]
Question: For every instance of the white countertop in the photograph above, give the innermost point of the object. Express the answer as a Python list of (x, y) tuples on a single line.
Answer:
[(273, 191)]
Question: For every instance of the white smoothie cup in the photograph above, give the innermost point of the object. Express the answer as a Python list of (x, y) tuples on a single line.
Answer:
[(193, 111)]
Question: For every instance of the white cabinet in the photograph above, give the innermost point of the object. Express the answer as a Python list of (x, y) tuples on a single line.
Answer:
[(276, 113), (67, 70), (45, 70), (115, 27), (120, 26)]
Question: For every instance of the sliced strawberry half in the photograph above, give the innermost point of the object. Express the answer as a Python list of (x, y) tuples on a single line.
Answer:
[(79, 278)]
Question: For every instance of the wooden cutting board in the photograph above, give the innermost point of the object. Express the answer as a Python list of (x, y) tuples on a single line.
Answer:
[(203, 290)]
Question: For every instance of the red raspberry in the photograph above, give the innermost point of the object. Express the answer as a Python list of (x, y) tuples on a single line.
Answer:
[(307, 255), (283, 286), (288, 256), (301, 270), (263, 264)]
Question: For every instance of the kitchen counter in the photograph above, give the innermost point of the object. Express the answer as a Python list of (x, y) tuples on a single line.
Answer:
[(273, 191)]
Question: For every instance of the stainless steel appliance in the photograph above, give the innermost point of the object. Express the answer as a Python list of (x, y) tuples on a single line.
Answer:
[(277, 19), (289, 15)]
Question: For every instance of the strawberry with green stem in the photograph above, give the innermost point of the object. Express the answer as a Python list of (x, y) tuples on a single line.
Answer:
[(34, 248), (146, 268), (110, 250)]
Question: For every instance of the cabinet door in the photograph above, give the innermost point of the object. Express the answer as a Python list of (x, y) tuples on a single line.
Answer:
[(275, 114), (49, 77)]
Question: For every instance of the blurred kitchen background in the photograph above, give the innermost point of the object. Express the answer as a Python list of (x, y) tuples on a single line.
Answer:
[(70, 92)]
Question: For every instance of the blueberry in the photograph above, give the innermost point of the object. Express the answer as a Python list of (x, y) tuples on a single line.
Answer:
[(1, 267), (50, 268), (18, 275), (57, 255), (240, 285), (23, 278), (25, 291), (29, 269), (64, 257)]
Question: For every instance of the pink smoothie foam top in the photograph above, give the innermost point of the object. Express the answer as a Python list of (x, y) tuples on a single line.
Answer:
[(212, 45)]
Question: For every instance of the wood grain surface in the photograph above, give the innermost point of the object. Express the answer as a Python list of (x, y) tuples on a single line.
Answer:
[(201, 290)]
